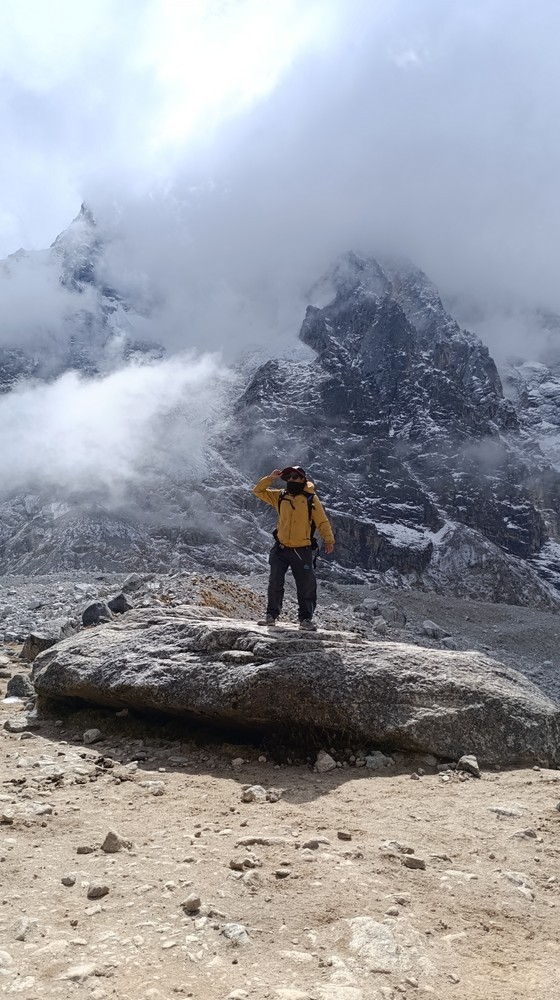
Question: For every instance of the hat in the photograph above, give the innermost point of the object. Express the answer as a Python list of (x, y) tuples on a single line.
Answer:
[(291, 469)]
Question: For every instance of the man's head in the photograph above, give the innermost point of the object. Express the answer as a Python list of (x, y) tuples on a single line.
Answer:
[(294, 474)]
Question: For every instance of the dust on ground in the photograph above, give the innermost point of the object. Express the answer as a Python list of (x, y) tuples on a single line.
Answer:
[(299, 914)]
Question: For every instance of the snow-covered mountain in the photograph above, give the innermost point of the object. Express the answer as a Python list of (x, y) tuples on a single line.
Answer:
[(432, 476), (78, 323)]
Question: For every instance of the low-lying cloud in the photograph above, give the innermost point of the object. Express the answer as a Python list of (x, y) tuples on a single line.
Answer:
[(101, 437)]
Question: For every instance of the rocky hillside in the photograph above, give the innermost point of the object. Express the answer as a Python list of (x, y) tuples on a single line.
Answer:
[(433, 478), (421, 459)]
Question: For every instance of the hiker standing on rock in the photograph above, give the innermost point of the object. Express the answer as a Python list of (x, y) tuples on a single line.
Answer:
[(299, 513)]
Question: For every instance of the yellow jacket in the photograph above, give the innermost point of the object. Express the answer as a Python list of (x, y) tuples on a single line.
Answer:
[(294, 527)]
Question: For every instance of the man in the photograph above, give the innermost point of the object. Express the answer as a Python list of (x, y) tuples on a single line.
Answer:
[(299, 508)]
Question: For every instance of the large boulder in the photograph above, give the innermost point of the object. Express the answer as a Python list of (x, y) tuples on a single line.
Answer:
[(47, 636), (189, 663), (97, 614)]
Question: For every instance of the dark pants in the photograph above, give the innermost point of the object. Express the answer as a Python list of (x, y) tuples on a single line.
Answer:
[(300, 561)]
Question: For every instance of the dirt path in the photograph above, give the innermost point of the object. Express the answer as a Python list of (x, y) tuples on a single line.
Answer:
[(339, 919)]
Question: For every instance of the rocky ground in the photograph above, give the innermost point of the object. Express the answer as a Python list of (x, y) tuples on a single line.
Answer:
[(353, 884)]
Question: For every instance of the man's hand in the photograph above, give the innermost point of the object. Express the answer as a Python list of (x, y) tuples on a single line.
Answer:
[(329, 546), (275, 473)]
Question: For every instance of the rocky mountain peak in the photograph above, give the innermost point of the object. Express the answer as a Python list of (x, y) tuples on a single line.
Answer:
[(400, 418), (78, 247)]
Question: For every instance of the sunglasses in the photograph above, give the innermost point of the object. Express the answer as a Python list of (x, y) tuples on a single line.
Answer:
[(293, 478)]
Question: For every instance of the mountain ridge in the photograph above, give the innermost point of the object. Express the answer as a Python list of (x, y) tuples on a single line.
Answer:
[(432, 476)]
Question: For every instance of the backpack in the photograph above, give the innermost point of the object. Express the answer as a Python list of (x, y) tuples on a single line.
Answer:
[(310, 508)]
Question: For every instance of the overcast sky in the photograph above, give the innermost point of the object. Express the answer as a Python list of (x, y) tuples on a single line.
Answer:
[(292, 128), (230, 149)]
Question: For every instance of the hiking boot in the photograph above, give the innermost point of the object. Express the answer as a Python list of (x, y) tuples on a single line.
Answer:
[(267, 620), (308, 625)]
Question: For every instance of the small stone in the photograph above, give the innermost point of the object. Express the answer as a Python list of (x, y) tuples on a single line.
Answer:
[(395, 845), (448, 643), (469, 763), (324, 762), (7, 817), (238, 762), (262, 759), (453, 978), (21, 725), (19, 686), (236, 933), (433, 631), (154, 787), (379, 625), (79, 973), (119, 604), (92, 736), (255, 793), (414, 776), (411, 861), (68, 880), (393, 911), (282, 873), (376, 760), (85, 849), (412, 981), (192, 903), (528, 834), (23, 928), (97, 891), (114, 842), (344, 835)]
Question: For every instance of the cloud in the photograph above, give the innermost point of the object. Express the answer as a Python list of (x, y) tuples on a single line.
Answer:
[(421, 129), (229, 158), (35, 306), (115, 92), (102, 437)]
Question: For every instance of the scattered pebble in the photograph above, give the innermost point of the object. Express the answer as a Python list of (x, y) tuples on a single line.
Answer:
[(324, 762), (411, 861), (114, 842), (236, 933), (97, 891), (92, 736), (255, 793), (192, 903), (469, 764)]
